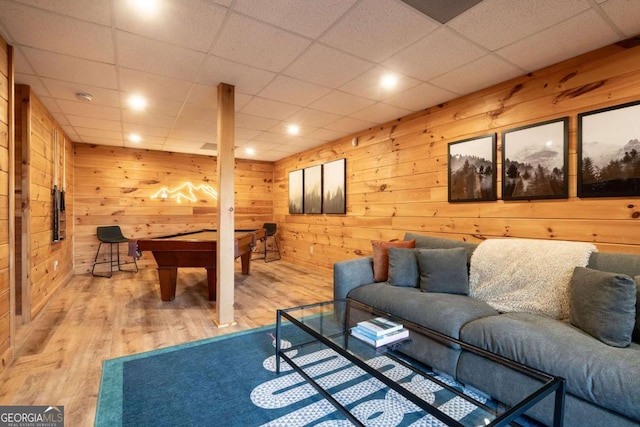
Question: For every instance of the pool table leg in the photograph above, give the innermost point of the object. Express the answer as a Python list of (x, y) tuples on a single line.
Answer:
[(211, 282), (245, 259), (168, 277)]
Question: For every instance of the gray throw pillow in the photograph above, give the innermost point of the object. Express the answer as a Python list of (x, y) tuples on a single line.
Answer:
[(603, 305), (636, 331), (403, 268), (443, 270)]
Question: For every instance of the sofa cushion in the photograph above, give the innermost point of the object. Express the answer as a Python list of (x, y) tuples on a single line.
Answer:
[(381, 256), (429, 242), (444, 313), (443, 270), (403, 267), (596, 372), (603, 305)]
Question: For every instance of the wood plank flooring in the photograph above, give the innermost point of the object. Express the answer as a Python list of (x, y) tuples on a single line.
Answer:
[(59, 355)]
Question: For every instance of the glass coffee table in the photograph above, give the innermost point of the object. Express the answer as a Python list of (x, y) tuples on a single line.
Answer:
[(381, 385)]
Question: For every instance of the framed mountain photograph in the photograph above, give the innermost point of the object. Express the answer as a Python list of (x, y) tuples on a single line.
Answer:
[(313, 190), (296, 191), (472, 169), (609, 152), (534, 161), (333, 187)]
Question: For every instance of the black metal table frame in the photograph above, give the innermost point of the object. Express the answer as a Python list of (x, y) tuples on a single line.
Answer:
[(553, 384)]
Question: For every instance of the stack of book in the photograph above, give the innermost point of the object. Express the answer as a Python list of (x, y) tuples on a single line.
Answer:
[(379, 331)]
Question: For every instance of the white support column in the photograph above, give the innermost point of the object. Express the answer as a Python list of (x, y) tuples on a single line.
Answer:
[(226, 198)]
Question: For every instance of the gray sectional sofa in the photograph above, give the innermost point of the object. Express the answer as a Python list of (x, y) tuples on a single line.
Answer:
[(602, 380)]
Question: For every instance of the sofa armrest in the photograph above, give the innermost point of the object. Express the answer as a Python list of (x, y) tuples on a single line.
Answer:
[(350, 274)]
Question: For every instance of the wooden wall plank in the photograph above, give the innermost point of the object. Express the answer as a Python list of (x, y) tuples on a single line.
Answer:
[(397, 175)]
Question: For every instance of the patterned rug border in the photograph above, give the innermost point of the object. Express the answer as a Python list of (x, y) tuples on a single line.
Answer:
[(109, 406)]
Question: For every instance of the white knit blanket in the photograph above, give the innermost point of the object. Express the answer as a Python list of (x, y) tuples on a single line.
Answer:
[(526, 275)]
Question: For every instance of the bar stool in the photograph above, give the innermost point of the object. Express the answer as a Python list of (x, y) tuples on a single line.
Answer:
[(271, 230), (113, 236)]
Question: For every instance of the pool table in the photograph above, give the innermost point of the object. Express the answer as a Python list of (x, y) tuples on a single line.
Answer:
[(195, 249)]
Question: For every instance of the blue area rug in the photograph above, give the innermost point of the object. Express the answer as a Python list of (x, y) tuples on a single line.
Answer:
[(231, 381)]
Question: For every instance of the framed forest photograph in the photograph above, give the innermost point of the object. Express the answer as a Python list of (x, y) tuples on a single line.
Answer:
[(313, 190), (609, 152), (296, 192), (333, 187), (534, 161), (472, 169)]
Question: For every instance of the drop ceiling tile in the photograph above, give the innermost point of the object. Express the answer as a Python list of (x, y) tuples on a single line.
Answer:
[(368, 84), (188, 23), (313, 118), (308, 18), (97, 133), (420, 97), (165, 107), (67, 91), (274, 155), (70, 132), (191, 135), (625, 15), (269, 109), (350, 125), (435, 54), (95, 11), (273, 138), (50, 104), (87, 109), (146, 84), (481, 73), (302, 142), (155, 57), (61, 119), (381, 113), (103, 141), (196, 112), (327, 134), (181, 145), (513, 21), (253, 122), (327, 66), (73, 37), (20, 63), (66, 68), (560, 42), (246, 134), (160, 132), (341, 103), (89, 122), (246, 79), (144, 145), (207, 127), (376, 29), (142, 118), (293, 91), (254, 43)]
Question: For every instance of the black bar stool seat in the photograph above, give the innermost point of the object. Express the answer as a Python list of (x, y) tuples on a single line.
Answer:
[(112, 235)]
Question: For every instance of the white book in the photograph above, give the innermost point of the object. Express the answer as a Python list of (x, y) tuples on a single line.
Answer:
[(384, 340), (380, 326)]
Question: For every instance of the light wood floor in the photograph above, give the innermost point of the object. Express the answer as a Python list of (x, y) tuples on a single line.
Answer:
[(59, 355)]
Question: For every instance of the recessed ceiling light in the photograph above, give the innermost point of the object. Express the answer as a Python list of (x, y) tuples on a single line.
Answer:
[(134, 137), (84, 96), (250, 151), (137, 102), (148, 7), (389, 81), (293, 129)]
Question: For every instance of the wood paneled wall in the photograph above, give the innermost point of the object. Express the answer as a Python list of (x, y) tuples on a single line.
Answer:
[(114, 187), (397, 176), (46, 265), (6, 190)]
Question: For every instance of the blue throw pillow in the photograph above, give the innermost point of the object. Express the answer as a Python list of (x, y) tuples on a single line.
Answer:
[(444, 270), (403, 268), (603, 305)]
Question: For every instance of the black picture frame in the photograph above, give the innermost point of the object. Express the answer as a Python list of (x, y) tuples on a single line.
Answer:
[(296, 191), (472, 169), (313, 190), (609, 151), (535, 161), (334, 195)]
